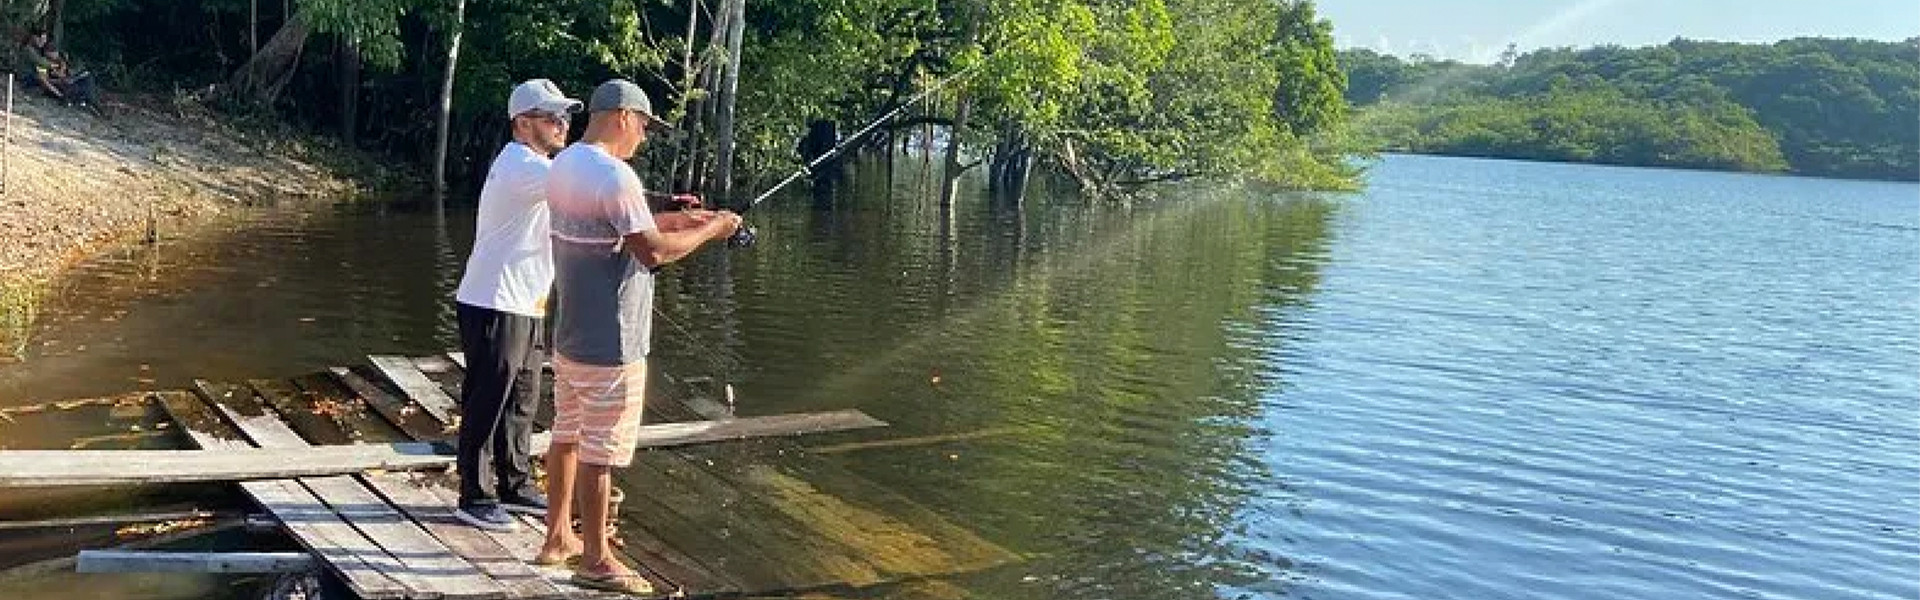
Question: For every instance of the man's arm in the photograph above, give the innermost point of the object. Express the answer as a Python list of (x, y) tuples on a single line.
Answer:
[(43, 75), (656, 247), (683, 219)]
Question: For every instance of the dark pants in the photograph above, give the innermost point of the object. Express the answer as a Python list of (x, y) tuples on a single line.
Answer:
[(497, 401), (79, 90), (75, 90)]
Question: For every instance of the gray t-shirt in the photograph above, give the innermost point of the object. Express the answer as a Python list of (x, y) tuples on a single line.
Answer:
[(604, 297)]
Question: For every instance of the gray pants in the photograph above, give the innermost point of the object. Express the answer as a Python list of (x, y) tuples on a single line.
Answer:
[(497, 402)]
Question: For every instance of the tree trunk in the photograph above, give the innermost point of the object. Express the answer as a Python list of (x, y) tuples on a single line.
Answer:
[(446, 98), (729, 87), (253, 27), (260, 79), (951, 173), (349, 58), (683, 155), (701, 113), (686, 60), (1012, 163), (57, 23)]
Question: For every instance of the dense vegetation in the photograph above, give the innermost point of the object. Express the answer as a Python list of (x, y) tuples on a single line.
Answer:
[(1111, 95), (1845, 108)]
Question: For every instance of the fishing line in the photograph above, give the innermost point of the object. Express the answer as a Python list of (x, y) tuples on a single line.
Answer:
[(744, 236)]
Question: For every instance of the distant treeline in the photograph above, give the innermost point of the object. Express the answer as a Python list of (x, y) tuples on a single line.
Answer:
[(1829, 107)]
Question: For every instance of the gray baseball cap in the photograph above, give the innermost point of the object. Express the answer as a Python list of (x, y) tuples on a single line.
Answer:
[(542, 95), (620, 94)]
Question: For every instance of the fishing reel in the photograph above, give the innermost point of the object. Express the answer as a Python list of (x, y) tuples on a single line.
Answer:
[(742, 238)]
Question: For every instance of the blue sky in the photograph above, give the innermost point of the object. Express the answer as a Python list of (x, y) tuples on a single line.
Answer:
[(1476, 30)]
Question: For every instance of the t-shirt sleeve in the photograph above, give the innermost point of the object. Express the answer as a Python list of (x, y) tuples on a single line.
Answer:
[(628, 211), (530, 178)]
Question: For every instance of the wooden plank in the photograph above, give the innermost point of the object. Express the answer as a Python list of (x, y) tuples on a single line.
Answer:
[(137, 561), (524, 544), (536, 530), (895, 531), (428, 567), (752, 533), (968, 551), (472, 544), (659, 556), (48, 468), (439, 364), (410, 419), (442, 372), (400, 371), (672, 570), (811, 561), (318, 427), (324, 392), (902, 538), (711, 547), (319, 530), (121, 519), (404, 492), (651, 436), (689, 433)]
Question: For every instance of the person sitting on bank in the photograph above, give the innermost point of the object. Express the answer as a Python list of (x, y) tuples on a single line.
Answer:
[(50, 70)]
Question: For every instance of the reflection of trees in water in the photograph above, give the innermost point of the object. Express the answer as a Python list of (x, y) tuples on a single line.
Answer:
[(1111, 342)]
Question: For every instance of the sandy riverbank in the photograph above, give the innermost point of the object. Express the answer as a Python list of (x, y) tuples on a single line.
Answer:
[(76, 182)]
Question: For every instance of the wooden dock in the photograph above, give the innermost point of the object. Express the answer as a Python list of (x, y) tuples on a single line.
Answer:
[(754, 517)]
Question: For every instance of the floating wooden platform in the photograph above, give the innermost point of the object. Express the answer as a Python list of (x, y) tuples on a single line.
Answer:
[(759, 517)]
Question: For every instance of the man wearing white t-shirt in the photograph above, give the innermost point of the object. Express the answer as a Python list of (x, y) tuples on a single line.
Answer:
[(502, 298)]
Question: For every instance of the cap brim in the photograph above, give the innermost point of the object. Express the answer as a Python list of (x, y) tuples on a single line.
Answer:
[(563, 106)]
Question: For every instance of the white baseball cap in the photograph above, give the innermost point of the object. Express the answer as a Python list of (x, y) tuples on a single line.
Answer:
[(542, 95)]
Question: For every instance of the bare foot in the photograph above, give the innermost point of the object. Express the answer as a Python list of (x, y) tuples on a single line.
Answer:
[(553, 553)]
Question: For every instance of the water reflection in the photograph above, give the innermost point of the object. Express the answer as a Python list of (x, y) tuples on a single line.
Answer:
[(1092, 369)]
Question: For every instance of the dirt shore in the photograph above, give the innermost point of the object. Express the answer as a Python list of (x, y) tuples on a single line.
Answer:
[(75, 181)]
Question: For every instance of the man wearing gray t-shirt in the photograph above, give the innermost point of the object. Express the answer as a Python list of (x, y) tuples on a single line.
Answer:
[(606, 245)]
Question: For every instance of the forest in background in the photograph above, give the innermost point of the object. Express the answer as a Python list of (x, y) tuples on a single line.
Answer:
[(1111, 96), (1810, 106)]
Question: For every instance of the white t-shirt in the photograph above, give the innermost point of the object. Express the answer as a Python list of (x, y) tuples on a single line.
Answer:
[(605, 296), (511, 268)]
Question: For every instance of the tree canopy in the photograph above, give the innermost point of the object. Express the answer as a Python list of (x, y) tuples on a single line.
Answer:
[(1112, 95)]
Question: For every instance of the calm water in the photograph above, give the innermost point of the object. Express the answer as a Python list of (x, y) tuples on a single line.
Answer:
[(1476, 380)]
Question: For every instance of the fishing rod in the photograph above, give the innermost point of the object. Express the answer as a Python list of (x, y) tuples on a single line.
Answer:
[(744, 237)]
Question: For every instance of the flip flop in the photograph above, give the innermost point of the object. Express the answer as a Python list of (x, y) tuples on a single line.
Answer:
[(570, 560), (633, 584)]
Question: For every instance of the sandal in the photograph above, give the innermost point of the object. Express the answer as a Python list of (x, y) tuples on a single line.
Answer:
[(631, 584)]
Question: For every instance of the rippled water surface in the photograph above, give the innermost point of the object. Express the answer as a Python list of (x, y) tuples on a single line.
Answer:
[(1478, 379)]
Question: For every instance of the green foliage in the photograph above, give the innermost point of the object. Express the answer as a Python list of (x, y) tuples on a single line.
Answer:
[(1847, 108), (372, 25), (1116, 93), (1598, 125)]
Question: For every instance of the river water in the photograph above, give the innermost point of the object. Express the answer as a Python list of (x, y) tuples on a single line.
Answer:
[(1477, 379)]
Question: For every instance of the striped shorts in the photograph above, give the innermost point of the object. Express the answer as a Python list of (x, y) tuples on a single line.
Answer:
[(598, 407)]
